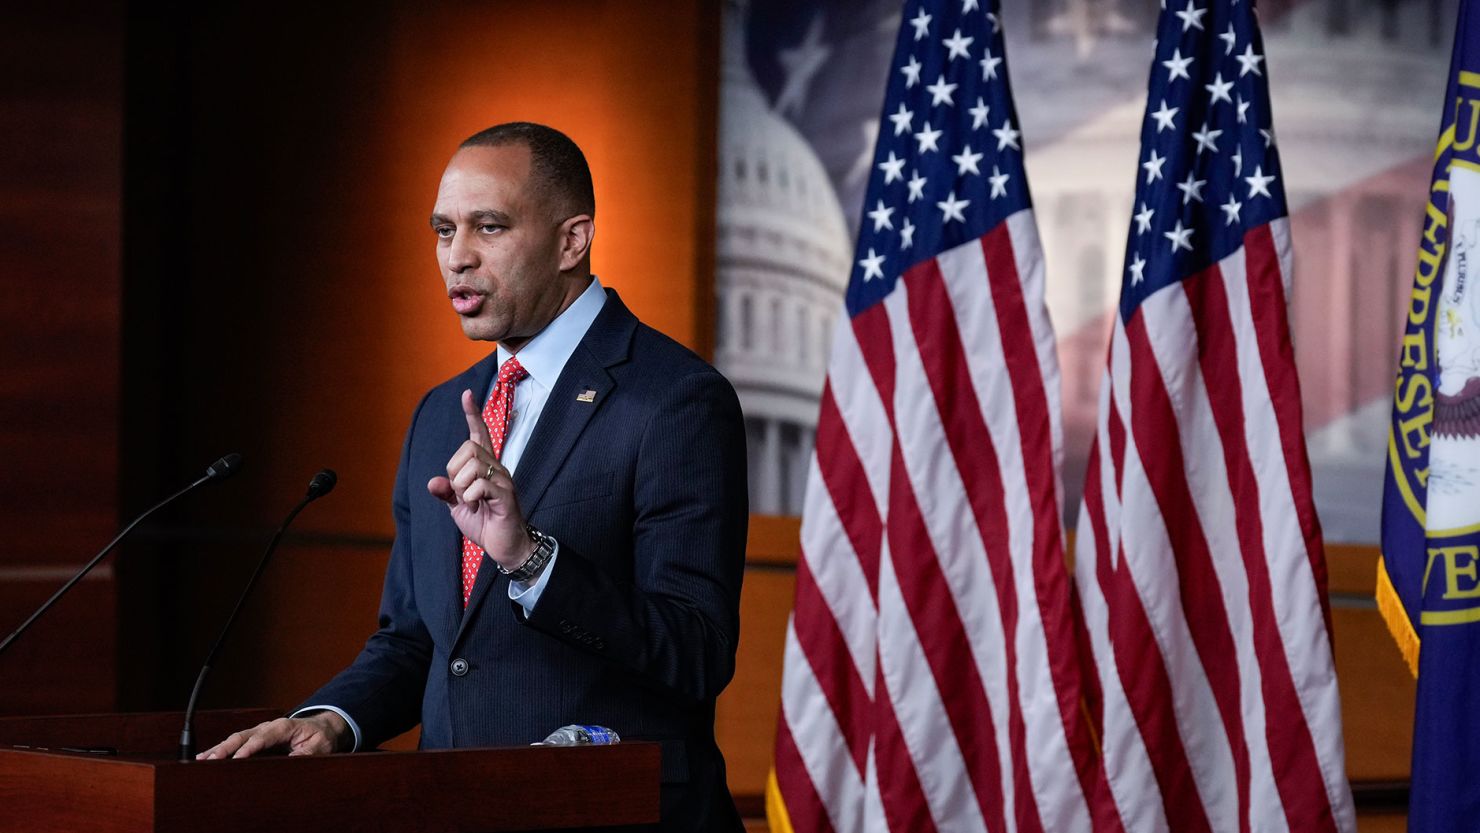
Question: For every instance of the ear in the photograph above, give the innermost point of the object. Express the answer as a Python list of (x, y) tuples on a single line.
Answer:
[(575, 240)]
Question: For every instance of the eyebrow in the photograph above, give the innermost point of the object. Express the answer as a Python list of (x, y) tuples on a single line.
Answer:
[(488, 214)]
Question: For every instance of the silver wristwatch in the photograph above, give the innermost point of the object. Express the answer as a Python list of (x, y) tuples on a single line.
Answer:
[(544, 548)]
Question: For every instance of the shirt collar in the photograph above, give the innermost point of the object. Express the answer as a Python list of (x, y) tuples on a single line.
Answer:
[(545, 355)]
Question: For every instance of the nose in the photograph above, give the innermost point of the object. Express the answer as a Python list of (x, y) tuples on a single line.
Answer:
[(461, 254)]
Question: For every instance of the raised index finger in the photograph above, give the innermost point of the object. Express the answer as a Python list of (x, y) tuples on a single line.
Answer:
[(477, 430)]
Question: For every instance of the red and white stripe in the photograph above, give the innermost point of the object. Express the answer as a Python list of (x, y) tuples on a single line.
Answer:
[(1200, 568), (931, 678)]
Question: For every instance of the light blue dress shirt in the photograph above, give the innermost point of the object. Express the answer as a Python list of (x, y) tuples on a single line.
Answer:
[(543, 358)]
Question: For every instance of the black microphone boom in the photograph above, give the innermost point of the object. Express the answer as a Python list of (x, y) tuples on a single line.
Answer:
[(221, 469), (322, 484)]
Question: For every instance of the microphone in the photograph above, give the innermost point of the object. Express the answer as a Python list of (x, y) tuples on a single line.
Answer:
[(224, 467), (321, 484), (219, 470)]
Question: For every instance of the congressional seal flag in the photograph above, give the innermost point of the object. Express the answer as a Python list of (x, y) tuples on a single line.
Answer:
[(1428, 582), (930, 677), (1198, 558)]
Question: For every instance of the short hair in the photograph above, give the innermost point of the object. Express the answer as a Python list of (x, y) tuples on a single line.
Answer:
[(555, 161)]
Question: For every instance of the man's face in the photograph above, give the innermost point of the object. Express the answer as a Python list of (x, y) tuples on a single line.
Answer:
[(498, 245)]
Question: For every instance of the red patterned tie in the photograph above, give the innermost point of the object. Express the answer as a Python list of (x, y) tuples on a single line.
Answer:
[(496, 415)]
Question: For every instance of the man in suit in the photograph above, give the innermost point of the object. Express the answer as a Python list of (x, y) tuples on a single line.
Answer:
[(571, 550)]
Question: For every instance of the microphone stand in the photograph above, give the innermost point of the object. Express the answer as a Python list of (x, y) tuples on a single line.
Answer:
[(224, 467), (321, 485)]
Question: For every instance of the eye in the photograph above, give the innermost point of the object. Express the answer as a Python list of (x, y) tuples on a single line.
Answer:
[(490, 228), (444, 232)]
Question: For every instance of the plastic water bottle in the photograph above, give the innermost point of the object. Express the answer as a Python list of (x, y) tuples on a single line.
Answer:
[(580, 735)]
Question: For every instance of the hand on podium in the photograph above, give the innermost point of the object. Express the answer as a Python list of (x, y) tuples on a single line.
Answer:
[(319, 733)]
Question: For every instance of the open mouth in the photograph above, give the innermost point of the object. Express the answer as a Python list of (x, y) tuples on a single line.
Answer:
[(465, 301)]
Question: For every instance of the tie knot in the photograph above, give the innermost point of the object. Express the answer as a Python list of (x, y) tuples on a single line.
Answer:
[(511, 372)]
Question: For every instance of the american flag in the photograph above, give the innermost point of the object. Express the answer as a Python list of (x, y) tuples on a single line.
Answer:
[(1199, 560), (930, 677)]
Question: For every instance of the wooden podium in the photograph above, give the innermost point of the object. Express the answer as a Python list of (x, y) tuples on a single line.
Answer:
[(143, 787)]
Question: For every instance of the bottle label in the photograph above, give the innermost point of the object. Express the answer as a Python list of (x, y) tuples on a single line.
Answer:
[(599, 735)]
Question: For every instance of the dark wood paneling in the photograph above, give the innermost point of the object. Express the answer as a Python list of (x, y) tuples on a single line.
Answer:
[(61, 117), (65, 662)]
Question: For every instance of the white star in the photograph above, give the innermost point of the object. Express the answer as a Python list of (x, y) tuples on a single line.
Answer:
[(906, 234), (802, 62), (1207, 139), (979, 114), (1258, 183), (950, 208), (873, 266), (921, 24), (1248, 62), (1164, 117), (996, 25), (1181, 238), (1268, 135), (940, 92), (968, 5), (1229, 38), (893, 168), (989, 66), (903, 120), (881, 216), (928, 138), (1219, 88), (911, 72), (1191, 17), (1006, 135), (1138, 268), (1176, 66), (1143, 219), (1153, 166), (999, 182), (1231, 209), (917, 186), (1238, 161), (966, 161), (1243, 107), (1191, 188), (957, 45)]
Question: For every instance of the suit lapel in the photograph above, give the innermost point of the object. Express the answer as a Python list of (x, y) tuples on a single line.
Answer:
[(582, 390), (583, 387)]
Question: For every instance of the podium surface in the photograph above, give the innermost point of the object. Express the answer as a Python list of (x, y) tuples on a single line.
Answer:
[(143, 788)]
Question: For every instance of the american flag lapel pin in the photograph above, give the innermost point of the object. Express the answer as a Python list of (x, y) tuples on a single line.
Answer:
[(586, 395)]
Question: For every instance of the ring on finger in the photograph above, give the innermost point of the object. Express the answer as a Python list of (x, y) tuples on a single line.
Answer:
[(488, 475)]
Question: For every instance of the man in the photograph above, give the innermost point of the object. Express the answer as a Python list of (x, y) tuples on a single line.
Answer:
[(571, 551)]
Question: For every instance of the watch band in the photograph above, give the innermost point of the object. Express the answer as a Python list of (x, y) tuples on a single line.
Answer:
[(544, 548)]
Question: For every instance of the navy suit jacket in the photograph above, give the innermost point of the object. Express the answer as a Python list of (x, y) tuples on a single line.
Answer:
[(644, 487)]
